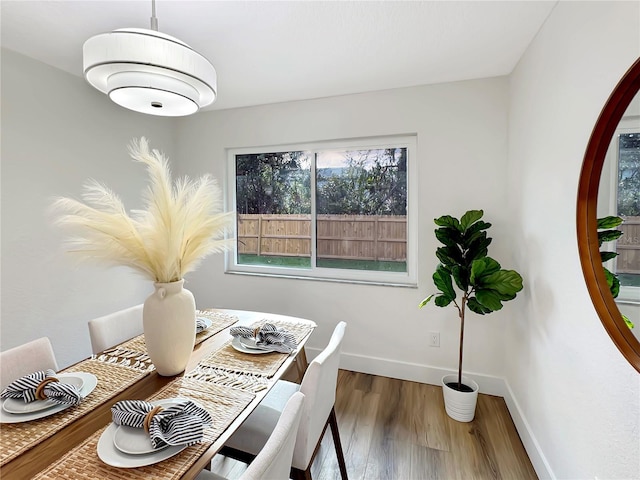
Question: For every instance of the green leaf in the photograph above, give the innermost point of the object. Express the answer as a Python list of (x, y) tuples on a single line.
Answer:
[(461, 277), (478, 249), (476, 227), (612, 282), (448, 236), (470, 217), (448, 221), (609, 276), (469, 237), (425, 301), (609, 222), (488, 299), (476, 307), (482, 267), (449, 255), (628, 322), (505, 282), (615, 287), (443, 300), (606, 256), (442, 280), (608, 235)]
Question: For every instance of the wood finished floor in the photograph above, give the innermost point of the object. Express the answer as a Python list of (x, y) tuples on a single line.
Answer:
[(398, 430)]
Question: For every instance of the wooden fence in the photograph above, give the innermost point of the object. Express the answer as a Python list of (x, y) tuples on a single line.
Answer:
[(353, 237), (628, 247)]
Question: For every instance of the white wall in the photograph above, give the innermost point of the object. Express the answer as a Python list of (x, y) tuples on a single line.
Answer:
[(574, 390), (461, 135), (56, 133)]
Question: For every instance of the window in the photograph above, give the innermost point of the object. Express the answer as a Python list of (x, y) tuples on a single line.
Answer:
[(331, 210), (628, 203), (623, 191)]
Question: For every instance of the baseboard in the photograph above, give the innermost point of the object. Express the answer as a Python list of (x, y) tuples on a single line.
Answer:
[(489, 385), (531, 445), (413, 372)]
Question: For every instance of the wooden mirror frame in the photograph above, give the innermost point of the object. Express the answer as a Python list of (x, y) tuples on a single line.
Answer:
[(588, 247)]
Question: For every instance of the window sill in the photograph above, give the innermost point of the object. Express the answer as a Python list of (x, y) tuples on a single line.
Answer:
[(407, 284)]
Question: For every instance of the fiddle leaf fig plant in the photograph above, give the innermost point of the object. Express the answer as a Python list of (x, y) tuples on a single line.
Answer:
[(466, 276), (607, 232)]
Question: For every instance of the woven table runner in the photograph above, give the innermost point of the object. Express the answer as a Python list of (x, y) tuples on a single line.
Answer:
[(133, 352), (228, 360), (223, 403), (15, 438)]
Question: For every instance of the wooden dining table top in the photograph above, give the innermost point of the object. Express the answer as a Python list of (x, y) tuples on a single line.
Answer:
[(29, 463)]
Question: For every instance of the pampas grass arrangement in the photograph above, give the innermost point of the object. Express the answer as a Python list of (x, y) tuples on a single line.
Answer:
[(182, 224)]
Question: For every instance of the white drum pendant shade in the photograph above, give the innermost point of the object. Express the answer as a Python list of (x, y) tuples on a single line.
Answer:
[(149, 72)]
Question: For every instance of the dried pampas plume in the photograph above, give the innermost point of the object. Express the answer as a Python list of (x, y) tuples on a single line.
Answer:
[(182, 223)]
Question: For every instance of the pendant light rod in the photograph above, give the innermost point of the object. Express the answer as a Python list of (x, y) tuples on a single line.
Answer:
[(154, 20)]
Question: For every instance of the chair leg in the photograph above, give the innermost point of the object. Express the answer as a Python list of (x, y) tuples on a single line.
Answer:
[(301, 474), (238, 455), (333, 422)]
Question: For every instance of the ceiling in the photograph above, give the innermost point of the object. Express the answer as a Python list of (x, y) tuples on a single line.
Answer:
[(275, 51)]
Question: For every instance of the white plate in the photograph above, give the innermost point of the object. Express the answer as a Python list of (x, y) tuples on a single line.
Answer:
[(250, 343), (15, 405), (89, 382), (239, 346), (208, 322), (109, 453), (134, 441)]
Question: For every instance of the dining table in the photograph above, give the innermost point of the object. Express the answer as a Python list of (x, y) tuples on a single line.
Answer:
[(227, 380)]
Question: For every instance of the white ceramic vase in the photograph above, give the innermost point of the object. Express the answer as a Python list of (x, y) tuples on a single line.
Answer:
[(460, 406), (169, 321)]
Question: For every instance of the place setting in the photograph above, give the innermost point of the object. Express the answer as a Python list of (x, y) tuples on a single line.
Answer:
[(44, 393), (203, 324), (144, 433), (263, 339), (209, 322)]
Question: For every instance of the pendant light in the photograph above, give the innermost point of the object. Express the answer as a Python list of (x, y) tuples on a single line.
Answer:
[(148, 71)]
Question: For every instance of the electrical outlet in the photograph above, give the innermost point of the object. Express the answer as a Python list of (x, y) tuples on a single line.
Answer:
[(434, 339)]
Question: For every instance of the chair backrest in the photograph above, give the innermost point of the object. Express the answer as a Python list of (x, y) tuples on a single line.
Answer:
[(273, 462), (319, 386), (115, 328), (25, 359)]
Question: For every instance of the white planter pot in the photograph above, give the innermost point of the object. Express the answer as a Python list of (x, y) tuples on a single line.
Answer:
[(460, 406), (169, 321)]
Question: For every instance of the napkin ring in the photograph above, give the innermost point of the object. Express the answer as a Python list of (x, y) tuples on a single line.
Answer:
[(40, 388), (149, 416)]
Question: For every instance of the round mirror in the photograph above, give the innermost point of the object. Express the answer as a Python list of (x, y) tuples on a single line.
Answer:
[(613, 142)]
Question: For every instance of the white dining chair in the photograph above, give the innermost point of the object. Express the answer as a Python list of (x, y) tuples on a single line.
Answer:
[(273, 462), (25, 359), (319, 386), (115, 328)]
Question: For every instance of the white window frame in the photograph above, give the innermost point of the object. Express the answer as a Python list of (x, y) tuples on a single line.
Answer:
[(406, 279)]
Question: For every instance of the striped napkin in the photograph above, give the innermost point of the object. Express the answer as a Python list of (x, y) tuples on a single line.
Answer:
[(268, 337), (201, 324), (26, 388), (181, 424)]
